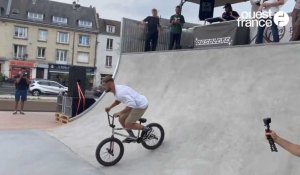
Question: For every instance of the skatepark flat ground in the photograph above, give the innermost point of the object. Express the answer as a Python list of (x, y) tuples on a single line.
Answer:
[(211, 104)]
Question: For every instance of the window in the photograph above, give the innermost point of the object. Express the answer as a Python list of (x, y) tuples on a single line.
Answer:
[(59, 20), (83, 57), (61, 56), (44, 83), (109, 44), (110, 29), (108, 62), (42, 35), (20, 32), (62, 37), (35, 16), (20, 51), (84, 40), (41, 52), (87, 24)]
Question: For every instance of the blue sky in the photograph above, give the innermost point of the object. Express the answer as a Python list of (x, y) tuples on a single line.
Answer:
[(139, 9)]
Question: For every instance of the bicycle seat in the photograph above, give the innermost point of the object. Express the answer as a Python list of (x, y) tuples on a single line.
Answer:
[(143, 120)]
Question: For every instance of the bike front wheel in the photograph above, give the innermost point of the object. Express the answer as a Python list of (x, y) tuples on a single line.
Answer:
[(110, 151), (156, 138)]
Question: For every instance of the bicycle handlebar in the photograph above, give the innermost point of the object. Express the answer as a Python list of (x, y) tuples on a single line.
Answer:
[(110, 123)]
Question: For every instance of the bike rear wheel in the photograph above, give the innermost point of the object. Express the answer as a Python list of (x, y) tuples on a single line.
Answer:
[(110, 151), (156, 138)]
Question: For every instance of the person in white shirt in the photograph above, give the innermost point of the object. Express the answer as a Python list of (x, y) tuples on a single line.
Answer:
[(136, 106), (273, 7)]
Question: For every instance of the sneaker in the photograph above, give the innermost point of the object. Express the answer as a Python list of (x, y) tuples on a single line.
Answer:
[(128, 140), (15, 113), (147, 132), (22, 113)]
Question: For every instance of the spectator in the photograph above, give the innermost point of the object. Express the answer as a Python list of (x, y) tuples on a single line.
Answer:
[(177, 21), (22, 83), (290, 147), (296, 22), (273, 7), (229, 14), (152, 27)]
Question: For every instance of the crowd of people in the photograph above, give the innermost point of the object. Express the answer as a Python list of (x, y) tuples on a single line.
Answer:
[(177, 21)]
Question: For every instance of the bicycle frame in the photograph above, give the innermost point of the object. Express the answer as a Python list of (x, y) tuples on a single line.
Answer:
[(111, 123)]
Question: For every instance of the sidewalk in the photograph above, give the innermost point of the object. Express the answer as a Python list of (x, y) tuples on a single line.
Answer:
[(31, 120), (30, 98)]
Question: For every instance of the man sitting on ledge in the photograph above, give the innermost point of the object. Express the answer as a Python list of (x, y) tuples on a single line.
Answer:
[(229, 14)]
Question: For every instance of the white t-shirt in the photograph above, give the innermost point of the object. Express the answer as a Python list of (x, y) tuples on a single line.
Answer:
[(273, 10), (130, 97)]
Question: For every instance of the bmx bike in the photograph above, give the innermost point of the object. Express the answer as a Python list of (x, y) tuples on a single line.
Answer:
[(110, 151)]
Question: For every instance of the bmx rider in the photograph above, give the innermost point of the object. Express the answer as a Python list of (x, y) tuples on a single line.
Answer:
[(136, 106)]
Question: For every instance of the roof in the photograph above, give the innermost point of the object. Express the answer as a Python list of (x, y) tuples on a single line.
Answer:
[(104, 22), (3, 7), (219, 2), (20, 8)]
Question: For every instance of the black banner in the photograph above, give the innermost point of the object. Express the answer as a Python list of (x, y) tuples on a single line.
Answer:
[(221, 34)]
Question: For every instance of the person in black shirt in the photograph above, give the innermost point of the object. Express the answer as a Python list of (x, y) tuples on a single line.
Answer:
[(22, 83), (152, 27), (229, 14)]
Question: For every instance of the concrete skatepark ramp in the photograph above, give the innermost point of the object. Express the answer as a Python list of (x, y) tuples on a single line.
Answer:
[(211, 104)]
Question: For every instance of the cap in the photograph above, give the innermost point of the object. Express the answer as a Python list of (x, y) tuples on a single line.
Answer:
[(227, 5)]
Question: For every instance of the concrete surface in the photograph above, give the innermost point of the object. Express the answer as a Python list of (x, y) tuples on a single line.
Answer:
[(211, 104), (31, 120), (35, 153), (32, 106)]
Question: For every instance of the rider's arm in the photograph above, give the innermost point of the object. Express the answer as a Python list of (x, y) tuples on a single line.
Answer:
[(290, 147), (115, 103)]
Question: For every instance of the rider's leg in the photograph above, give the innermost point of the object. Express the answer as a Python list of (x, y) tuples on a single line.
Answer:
[(122, 122)]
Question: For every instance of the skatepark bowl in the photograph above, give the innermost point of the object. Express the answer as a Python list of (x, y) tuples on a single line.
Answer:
[(211, 103)]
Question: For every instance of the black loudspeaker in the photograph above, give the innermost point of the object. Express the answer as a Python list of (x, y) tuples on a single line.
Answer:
[(76, 74), (206, 9)]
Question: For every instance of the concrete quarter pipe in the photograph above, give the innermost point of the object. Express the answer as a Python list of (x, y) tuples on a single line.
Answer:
[(211, 104)]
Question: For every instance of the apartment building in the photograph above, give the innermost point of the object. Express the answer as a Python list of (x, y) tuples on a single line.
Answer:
[(45, 37), (108, 48)]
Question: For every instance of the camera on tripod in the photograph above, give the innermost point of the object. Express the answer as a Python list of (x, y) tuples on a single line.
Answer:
[(267, 122)]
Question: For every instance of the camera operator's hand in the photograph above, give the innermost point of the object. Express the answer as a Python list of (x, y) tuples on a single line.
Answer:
[(273, 135)]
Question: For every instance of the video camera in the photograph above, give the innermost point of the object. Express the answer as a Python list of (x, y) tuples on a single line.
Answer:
[(267, 122)]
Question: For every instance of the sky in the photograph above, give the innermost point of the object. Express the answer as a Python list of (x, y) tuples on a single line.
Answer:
[(139, 9)]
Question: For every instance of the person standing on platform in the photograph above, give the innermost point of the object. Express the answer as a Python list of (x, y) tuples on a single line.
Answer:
[(177, 21), (153, 25), (296, 22), (266, 7)]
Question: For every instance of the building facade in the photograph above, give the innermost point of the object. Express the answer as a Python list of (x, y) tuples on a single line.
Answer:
[(45, 38), (108, 48)]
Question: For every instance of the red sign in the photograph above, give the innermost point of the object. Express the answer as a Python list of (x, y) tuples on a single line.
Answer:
[(22, 64)]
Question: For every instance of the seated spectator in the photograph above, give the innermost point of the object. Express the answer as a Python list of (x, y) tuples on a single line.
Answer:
[(229, 14)]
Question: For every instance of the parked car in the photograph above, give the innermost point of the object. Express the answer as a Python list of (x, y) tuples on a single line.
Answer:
[(38, 87)]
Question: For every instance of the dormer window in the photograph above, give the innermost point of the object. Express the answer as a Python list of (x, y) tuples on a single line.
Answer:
[(110, 29), (59, 20), (35, 16), (86, 24)]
